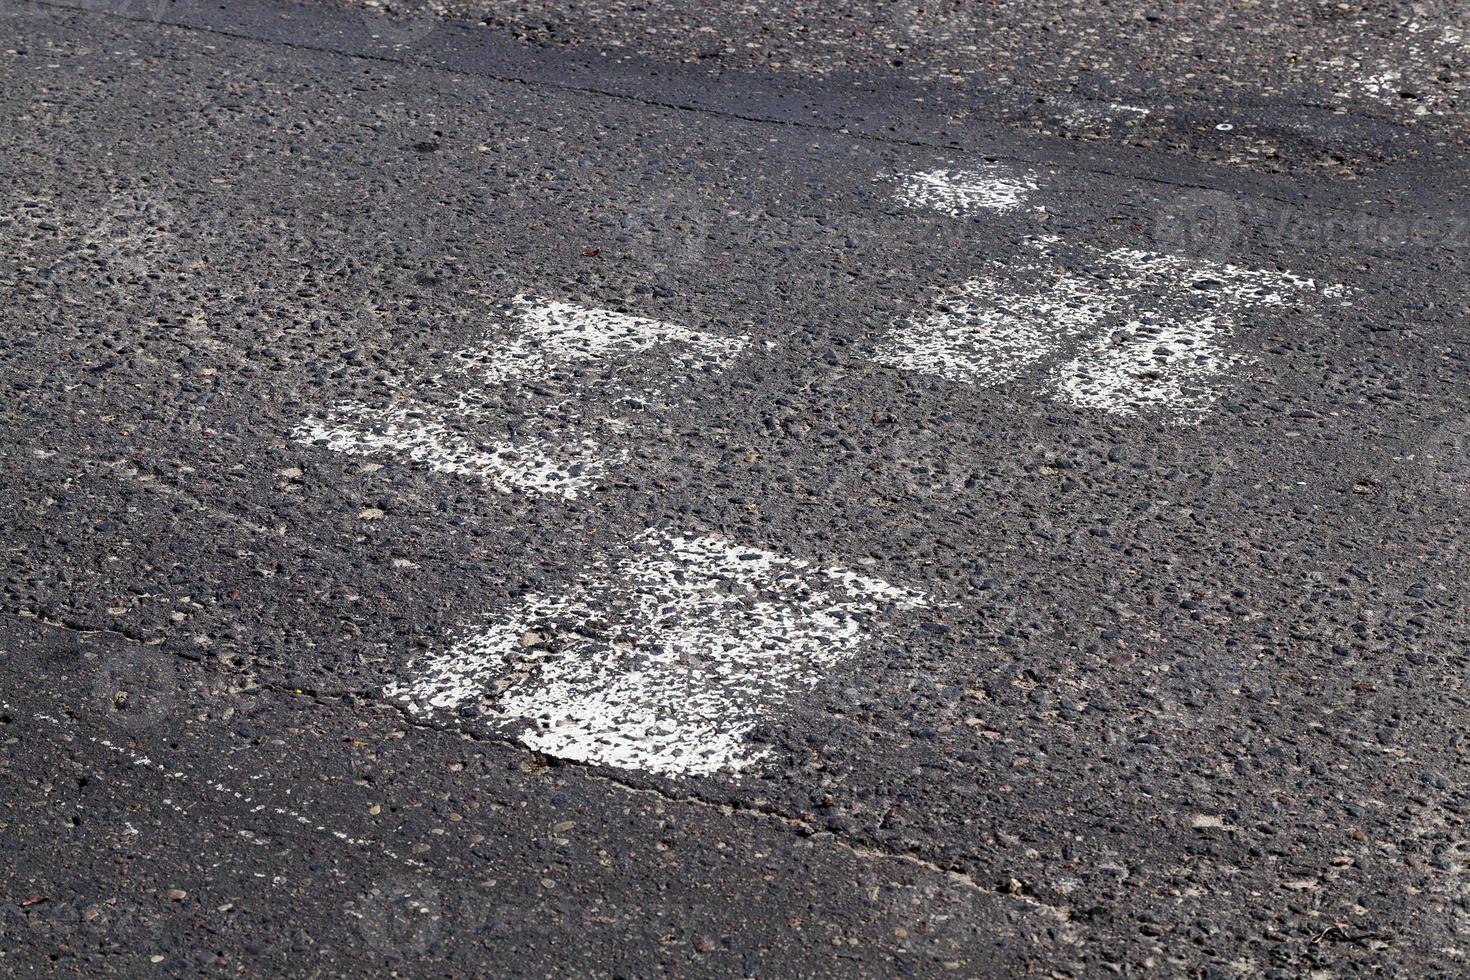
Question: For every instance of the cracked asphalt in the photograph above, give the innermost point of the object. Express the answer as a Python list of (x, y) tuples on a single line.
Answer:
[(843, 574)]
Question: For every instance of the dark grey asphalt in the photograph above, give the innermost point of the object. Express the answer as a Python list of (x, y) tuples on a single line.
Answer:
[(1188, 700), (1301, 84)]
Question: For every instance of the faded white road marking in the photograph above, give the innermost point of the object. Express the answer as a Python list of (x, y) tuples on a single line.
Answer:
[(144, 762), (553, 334), (985, 333), (535, 465), (1169, 354), (1079, 114), (566, 459), (666, 662), (963, 192), (1151, 363), (1142, 331)]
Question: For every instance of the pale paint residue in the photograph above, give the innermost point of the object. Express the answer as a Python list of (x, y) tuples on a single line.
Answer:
[(1149, 363), (1407, 76), (1082, 114), (963, 192), (142, 761), (1173, 354), (552, 334), (986, 333), (664, 663), (562, 457), (1175, 278), (1140, 331), (533, 465), (1210, 821)]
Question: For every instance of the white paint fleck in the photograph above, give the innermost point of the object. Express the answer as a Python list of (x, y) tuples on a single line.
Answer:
[(1210, 821), (963, 192), (666, 662), (142, 761)]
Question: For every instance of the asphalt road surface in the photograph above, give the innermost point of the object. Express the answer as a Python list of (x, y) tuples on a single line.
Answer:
[(922, 491)]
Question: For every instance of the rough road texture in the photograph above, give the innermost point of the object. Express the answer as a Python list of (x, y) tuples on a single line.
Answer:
[(475, 505)]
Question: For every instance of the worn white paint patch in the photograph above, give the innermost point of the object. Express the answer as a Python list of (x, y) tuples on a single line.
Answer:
[(1084, 114), (1172, 355), (1383, 85), (534, 465), (963, 192), (985, 333), (666, 662), (1405, 72), (1173, 278), (1142, 331), (1150, 363), (552, 334), (563, 458)]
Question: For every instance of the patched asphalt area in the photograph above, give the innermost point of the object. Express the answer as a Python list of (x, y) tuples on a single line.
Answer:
[(1182, 689), (1326, 89)]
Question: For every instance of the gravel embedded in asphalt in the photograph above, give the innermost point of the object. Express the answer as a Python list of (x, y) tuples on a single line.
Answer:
[(478, 507)]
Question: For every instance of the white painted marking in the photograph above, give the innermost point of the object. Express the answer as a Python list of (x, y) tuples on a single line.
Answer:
[(962, 192), (985, 333), (1151, 363), (667, 662), (1148, 329), (536, 465), (553, 334), (1079, 114), (1169, 357), (567, 460)]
